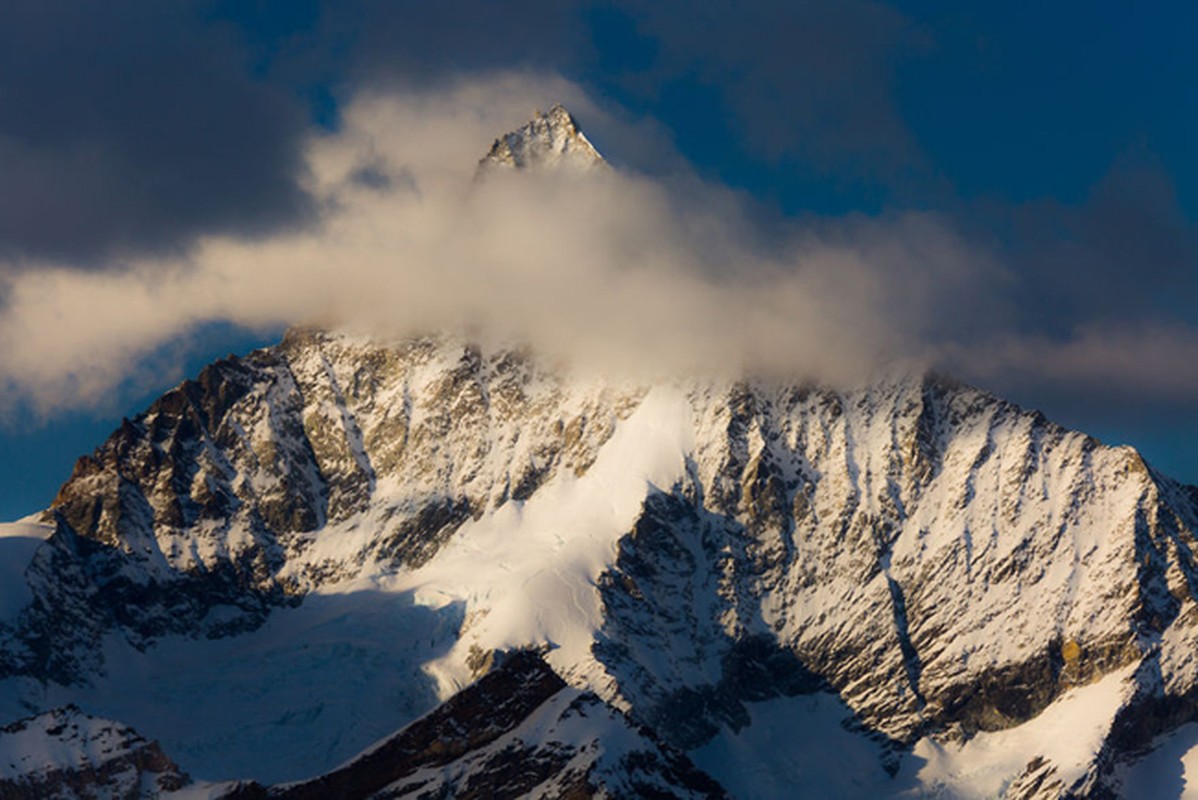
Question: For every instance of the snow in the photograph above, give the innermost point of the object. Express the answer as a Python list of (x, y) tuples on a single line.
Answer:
[(796, 747), (526, 573), (18, 541), (806, 746), (1169, 771), (359, 659), (375, 645), (1068, 734), (549, 141), (312, 687), (61, 739), (552, 724)]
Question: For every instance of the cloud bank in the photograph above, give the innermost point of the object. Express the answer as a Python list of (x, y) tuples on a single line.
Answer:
[(130, 127), (615, 270)]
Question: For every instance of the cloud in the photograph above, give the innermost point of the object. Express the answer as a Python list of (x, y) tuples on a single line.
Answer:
[(1125, 253), (617, 269), (162, 172), (621, 270), (812, 81), (134, 127), (416, 41), (1146, 364)]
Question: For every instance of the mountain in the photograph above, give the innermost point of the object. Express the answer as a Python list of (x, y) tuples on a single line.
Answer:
[(549, 141), (909, 587)]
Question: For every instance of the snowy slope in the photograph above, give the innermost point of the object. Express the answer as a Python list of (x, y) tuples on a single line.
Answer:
[(1169, 770), (806, 746), (18, 542)]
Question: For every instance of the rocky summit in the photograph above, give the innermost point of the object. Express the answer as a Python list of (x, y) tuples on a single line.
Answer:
[(350, 566), (549, 141)]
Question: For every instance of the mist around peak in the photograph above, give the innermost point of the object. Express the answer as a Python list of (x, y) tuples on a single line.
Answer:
[(644, 269), (605, 267)]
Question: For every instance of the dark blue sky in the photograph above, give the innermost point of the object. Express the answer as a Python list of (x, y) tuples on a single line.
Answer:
[(1059, 138)]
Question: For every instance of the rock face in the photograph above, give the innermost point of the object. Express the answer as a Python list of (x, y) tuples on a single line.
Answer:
[(66, 754), (894, 541), (949, 566), (219, 494)]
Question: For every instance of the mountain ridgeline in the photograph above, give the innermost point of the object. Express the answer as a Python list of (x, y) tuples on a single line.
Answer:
[(665, 565)]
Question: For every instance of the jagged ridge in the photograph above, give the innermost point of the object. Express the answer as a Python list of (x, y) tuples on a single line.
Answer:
[(885, 544)]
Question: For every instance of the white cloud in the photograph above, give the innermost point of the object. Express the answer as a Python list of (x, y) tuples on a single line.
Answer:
[(617, 269), (1146, 362)]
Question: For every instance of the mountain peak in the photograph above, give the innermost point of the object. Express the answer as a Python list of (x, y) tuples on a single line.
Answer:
[(550, 140)]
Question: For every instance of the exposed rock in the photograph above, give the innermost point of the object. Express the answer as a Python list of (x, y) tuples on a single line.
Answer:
[(214, 496)]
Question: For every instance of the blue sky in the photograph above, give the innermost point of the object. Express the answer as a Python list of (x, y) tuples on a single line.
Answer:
[(1056, 140)]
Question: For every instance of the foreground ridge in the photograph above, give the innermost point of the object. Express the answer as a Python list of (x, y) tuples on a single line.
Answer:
[(518, 731), (66, 753)]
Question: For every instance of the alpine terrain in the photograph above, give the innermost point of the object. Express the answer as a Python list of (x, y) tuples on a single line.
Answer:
[(353, 566)]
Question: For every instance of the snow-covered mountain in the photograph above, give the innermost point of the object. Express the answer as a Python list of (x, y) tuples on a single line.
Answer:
[(910, 587), (549, 141)]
